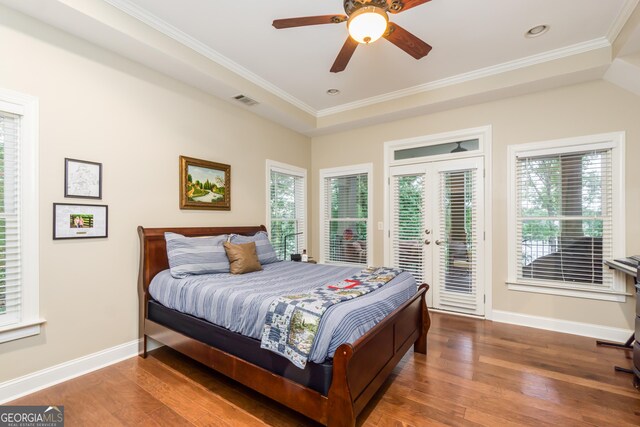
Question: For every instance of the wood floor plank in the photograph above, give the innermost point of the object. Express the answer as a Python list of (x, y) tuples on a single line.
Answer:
[(186, 398), (622, 391), (166, 416), (488, 400), (258, 405), (476, 373)]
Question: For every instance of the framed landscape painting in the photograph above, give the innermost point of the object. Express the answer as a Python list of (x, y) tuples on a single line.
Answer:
[(204, 184)]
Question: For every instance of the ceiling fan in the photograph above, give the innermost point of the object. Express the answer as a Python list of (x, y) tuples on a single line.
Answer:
[(367, 21)]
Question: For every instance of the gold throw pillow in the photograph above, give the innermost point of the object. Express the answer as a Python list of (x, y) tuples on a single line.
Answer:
[(243, 257)]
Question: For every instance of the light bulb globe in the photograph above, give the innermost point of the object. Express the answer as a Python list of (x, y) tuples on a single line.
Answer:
[(368, 24)]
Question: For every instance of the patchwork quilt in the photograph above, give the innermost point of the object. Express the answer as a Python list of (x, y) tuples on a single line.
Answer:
[(292, 321)]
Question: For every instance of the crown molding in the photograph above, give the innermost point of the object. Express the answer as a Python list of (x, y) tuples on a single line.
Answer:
[(174, 33), (493, 70), (621, 19), (169, 30)]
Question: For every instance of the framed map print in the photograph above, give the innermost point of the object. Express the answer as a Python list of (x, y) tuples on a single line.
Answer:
[(82, 179)]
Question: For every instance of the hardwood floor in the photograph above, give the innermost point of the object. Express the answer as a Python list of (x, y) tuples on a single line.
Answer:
[(475, 373)]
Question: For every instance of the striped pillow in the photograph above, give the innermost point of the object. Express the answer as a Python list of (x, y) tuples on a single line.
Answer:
[(266, 253), (196, 255)]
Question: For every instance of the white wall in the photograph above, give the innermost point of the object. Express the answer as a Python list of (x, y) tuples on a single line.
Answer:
[(95, 105)]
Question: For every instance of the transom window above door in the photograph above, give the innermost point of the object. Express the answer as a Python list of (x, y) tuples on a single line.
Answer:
[(445, 148)]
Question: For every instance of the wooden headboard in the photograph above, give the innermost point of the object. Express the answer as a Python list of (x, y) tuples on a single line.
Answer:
[(153, 249), (153, 259)]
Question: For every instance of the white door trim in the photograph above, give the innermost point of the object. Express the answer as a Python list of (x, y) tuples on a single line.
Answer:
[(484, 135)]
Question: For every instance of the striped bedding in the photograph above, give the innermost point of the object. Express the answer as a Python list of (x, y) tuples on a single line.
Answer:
[(240, 302)]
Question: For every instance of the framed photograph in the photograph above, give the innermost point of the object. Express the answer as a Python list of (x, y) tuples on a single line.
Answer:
[(204, 184), (82, 179), (75, 221)]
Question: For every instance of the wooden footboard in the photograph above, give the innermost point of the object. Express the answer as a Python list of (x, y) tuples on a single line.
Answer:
[(359, 369)]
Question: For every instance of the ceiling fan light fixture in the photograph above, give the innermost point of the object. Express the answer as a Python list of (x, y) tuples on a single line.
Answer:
[(368, 24)]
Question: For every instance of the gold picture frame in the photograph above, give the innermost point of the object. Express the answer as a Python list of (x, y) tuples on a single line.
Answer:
[(204, 185)]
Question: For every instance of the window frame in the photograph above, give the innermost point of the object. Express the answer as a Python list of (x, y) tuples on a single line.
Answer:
[(30, 321), (614, 141), (272, 165), (345, 171)]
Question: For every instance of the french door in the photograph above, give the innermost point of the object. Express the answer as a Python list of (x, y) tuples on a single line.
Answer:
[(436, 233)]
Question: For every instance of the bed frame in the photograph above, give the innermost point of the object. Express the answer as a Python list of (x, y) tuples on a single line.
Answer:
[(359, 369)]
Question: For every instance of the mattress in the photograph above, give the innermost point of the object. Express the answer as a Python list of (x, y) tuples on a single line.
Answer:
[(239, 303)]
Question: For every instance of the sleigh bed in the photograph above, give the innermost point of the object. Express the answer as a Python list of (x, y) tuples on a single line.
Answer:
[(332, 392)]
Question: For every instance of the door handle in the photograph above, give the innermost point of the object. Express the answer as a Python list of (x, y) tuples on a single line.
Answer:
[(427, 242), (427, 231), (440, 242)]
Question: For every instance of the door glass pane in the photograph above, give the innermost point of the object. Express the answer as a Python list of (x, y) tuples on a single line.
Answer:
[(457, 243), (408, 224)]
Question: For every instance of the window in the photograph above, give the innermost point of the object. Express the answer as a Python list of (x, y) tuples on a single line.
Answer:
[(345, 229), (286, 215), (567, 215), (18, 206)]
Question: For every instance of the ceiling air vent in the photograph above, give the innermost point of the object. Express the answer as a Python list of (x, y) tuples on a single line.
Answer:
[(249, 102)]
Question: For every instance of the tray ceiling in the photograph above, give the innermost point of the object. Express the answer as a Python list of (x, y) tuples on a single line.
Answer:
[(480, 52), (466, 35)]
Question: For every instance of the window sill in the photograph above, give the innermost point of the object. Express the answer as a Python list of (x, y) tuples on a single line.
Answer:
[(538, 288), (20, 330)]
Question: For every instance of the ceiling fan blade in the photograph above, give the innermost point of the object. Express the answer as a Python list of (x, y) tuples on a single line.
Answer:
[(309, 20), (407, 41), (345, 55), (397, 6)]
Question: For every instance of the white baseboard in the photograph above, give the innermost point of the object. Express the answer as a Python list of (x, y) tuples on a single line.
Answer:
[(565, 326), (30, 383)]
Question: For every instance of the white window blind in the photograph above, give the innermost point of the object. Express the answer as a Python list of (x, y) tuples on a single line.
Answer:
[(564, 218), (407, 232), (346, 218), (10, 265), (458, 263), (287, 211)]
